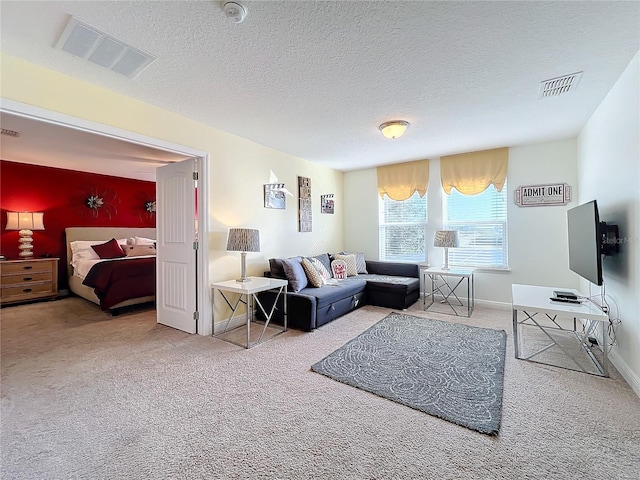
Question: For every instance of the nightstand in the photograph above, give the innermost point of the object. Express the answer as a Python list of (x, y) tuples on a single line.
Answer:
[(26, 280)]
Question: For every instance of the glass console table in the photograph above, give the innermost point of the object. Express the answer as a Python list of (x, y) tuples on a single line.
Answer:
[(564, 329)]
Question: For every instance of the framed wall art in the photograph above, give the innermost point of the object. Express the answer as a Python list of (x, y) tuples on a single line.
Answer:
[(304, 204), (274, 196), (326, 203)]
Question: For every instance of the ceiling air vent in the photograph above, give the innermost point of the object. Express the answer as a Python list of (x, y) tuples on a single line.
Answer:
[(560, 85), (86, 42)]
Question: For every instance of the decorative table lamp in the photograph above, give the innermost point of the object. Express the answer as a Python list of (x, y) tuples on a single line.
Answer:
[(446, 239), (243, 240), (25, 222)]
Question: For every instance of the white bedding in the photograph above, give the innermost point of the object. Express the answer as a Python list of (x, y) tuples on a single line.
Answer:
[(82, 266)]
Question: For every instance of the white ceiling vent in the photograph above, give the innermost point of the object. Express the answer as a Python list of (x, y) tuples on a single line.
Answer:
[(86, 42), (559, 85)]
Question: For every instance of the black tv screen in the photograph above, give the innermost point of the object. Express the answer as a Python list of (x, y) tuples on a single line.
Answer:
[(585, 241)]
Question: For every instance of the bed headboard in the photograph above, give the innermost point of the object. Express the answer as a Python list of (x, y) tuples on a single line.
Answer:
[(101, 233)]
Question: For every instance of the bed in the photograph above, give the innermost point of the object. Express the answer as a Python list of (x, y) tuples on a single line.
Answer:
[(138, 271)]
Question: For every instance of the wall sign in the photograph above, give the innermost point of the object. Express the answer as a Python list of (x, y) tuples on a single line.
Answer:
[(542, 195)]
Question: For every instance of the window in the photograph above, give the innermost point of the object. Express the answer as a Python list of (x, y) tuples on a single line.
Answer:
[(481, 221), (403, 226)]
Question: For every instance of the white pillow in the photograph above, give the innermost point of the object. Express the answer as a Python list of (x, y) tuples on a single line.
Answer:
[(144, 241), (81, 249)]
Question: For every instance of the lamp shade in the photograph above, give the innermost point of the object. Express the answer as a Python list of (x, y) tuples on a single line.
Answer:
[(446, 239), (243, 240), (25, 221), (394, 129)]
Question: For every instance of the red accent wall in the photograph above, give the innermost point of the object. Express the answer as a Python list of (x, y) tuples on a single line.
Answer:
[(62, 196)]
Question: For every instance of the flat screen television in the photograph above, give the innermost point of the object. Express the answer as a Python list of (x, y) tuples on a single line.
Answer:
[(589, 240)]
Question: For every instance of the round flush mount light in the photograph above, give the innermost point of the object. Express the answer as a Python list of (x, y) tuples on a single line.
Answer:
[(234, 11), (394, 129)]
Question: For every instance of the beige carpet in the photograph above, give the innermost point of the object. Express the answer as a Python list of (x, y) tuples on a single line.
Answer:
[(88, 396)]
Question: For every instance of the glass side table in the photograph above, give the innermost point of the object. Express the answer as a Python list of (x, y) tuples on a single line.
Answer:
[(247, 295), (446, 288)]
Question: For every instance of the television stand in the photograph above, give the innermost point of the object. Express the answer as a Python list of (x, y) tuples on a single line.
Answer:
[(533, 300)]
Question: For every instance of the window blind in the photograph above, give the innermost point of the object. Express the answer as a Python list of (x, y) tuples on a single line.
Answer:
[(402, 229), (481, 222)]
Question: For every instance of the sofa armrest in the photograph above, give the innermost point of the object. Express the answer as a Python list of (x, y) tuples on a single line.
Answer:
[(301, 309), (398, 269)]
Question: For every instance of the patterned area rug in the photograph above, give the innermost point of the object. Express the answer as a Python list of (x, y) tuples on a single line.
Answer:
[(448, 370)]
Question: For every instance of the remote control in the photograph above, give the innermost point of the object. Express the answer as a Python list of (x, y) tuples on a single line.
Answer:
[(564, 300)]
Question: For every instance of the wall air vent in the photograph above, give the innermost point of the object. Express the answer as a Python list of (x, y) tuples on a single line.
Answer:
[(10, 133), (86, 42), (560, 85)]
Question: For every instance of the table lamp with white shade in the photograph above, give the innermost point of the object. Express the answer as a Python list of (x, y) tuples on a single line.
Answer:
[(446, 239), (26, 222)]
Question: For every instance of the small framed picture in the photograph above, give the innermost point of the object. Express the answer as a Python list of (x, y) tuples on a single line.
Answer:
[(326, 203), (274, 196)]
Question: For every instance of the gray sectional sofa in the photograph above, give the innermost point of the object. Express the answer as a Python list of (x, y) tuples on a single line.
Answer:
[(386, 284)]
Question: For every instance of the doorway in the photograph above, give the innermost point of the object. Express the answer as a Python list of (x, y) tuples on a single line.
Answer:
[(124, 137)]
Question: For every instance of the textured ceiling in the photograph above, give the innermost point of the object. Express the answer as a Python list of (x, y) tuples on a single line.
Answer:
[(315, 79)]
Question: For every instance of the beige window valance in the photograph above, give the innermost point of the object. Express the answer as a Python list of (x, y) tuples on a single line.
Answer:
[(401, 180), (471, 173)]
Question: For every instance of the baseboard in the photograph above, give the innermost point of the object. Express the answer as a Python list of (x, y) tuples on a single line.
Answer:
[(629, 375), (235, 322), (492, 304), (478, 302)]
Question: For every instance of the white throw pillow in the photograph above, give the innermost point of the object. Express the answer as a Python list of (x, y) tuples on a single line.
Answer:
[(139, 250), (81, 249), (322, 270), (144, 241)]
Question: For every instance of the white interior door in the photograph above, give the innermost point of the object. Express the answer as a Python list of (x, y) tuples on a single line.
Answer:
[(176, 292)]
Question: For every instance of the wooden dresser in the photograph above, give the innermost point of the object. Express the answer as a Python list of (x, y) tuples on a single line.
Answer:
[(25, 280)]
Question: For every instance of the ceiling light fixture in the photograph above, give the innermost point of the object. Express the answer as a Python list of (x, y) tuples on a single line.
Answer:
[(394, 129)]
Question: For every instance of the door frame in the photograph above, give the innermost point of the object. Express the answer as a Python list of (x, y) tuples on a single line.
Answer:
[(76, 123)]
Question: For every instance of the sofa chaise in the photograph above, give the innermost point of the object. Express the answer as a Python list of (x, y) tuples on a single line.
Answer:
[(386, 284)]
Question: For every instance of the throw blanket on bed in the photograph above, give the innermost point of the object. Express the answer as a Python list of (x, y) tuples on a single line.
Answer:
[(116, 281)]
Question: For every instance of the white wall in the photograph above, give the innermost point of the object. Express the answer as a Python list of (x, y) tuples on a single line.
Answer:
[(609, 171), (238, 168), (537, 235), (361, 212), (238, 174)]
